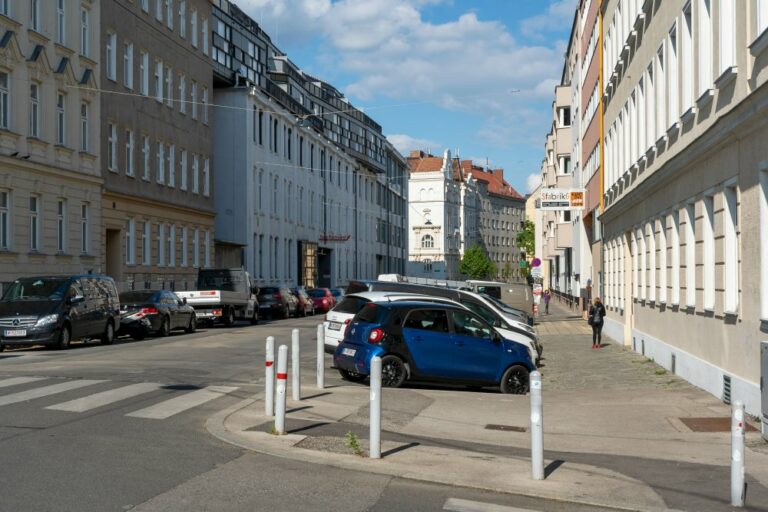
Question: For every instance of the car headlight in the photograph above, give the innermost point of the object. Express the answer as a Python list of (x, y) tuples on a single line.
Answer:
[(47, 320)]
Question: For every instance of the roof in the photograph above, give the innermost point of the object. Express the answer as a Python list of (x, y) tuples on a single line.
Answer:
[(419, 161), (494, 178)]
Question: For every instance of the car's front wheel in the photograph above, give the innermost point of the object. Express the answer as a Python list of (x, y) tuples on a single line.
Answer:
[(229, 317), (255, 317), (393, 372), (65, 337), (515, 380), (108, 337), (192, 327)]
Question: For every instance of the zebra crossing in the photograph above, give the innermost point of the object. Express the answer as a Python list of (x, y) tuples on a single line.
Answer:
[(180, 401)]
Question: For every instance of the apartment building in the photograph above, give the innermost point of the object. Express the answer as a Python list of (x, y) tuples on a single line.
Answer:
[(157, 83), (685, 244), (50, 177), (308, 190)]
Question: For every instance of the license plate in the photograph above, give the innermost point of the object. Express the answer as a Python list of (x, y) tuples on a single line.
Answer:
[(334, 326), (15, 333), (348, 352)]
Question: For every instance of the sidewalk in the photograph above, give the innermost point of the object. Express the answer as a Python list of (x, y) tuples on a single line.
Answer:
[(615, 433)]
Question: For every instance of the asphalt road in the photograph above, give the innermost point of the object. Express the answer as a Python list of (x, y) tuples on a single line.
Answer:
[(121, 427)]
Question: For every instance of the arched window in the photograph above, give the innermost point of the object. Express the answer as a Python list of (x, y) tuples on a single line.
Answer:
[(427, 242)]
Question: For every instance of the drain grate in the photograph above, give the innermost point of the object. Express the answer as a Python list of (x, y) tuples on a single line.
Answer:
[(712, 424), (505, 428), (727, 389)]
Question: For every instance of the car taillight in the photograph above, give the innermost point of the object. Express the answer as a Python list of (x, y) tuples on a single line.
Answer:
[(346, 324), (375, 336), (148, 311), (277, 296), (325, 301)]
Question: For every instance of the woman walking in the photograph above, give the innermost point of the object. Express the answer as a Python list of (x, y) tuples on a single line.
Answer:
[(596, 316)]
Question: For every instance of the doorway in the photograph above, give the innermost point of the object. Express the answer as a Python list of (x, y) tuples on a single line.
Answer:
[(113, 254)]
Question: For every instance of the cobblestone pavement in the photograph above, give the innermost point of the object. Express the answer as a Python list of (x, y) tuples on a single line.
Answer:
[(571, 364)]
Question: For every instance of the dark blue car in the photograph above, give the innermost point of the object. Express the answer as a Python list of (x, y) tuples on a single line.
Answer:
[(431, 342)]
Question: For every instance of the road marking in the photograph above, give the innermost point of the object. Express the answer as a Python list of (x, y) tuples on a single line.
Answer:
[(31, 394), (14, 381), (457, 505), (182, 403), (105, 398)]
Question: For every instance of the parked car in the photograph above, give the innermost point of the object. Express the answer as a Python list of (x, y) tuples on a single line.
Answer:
[(306, 306), (323, 299), (154, 311), (277, 301), (223, 295), (337, 293), (431, 342), (58, 309)]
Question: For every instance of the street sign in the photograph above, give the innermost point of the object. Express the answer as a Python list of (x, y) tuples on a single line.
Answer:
[(523, 264), (537, 290), (536, 262), (537, 272), (562, 199)]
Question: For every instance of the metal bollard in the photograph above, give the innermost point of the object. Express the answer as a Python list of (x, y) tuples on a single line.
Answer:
[(269, 378), (295, 366), (375, 409), (738, 486), (320, 356), (537, 428), (282, 378)]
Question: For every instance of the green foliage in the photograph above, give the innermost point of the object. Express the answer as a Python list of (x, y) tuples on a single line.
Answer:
[(526, 239), (506, 272), (353, 443), (476, 264)]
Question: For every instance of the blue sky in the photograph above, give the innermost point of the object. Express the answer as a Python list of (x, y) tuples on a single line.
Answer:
[(472, 75)]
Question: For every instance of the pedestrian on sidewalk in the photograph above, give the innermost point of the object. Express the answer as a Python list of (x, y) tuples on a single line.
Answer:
[(547, 295), (595, 319)]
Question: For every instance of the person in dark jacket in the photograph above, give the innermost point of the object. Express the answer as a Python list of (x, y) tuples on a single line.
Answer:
[(596, 317)]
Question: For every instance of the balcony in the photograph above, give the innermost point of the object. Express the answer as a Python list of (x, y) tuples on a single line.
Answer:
[(564, 180), (550, 250), (563, 236)]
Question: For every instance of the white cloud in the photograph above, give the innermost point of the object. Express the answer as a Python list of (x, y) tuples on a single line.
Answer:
[(405, 143), (533, 181), (559, 14)]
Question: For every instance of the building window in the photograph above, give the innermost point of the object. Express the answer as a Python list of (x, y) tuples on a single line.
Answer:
[(172, 245), (160, 162), (675, 246), (34, 15), (643, 248), (261, 127), (4, 100), (428, 266), (193, 100), (85, 32), (145, 5), (5, 8), (731, 250), (5, 217), (205, 36), (146, 244), (129, 144), (651, 236), (144, 73), (708, 237), (274, 195), (169, 14), (111, 56), (290, 136), (184, 246), (661, 94), (159, 81), (205, 105), (195, 174), (146, 171), (61, 22), (193, 27), (34, 223), (128, 65), (172, 165), (183, 162), (674, 108), (169, 87), (690, 255), (130, 242), (663, 259), (61, 119), (182, 18), (112, 147), (274, 135), (160, 245), (260, 193), (61, 226), (705, 45), (84, 127), (34, 110), (196, 249), (85, 228), (183, 93), (159, 10), (762, 16), (206, 178), (727, 34), (261, 256), (686, 59), (427, 242)]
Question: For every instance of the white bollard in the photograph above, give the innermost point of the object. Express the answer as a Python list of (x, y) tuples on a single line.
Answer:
[(537, 428), (282, 378), (320, 356), (269, 378), (295, 366), (738, 487), (375, 409)]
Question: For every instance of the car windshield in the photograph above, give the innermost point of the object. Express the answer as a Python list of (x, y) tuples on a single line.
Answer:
[(137, 297), (52, 289), (224, 280), (317, 293)]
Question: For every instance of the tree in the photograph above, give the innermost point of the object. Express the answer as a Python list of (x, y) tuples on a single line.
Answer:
[(476, 264), (506, 272), (526, 239)]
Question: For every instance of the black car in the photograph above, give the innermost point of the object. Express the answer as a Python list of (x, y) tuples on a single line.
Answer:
[(154, 311), (277, 301), (55, 310)]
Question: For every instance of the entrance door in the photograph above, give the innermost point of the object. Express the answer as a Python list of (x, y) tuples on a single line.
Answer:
[(113, 254)]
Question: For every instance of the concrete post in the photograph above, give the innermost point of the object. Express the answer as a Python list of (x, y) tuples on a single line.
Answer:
[(537, 428), (282, 378), (320, 356), (269, 378), (738, 487), (295, 366), (375, 409)]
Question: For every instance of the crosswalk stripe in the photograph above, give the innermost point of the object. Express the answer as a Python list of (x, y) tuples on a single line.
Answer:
[(181, 403), (105, 397), (457, 505), (31, 394), (15, 381)]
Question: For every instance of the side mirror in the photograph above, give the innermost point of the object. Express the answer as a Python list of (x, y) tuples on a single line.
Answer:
[(496, 337), (255, 290), (77, 299), (184, 301), (497, 323)]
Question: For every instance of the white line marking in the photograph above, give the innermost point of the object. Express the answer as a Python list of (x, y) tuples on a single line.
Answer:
[(105, 398), (457, 505), (14, 381), (181, 403), (31, 394)]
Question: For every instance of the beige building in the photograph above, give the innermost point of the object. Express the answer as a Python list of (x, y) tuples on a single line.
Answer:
[(156, 139), (686, 187), (50, 179)]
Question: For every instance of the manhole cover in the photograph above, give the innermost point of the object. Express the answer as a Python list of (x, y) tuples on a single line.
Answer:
[(505, 428), (712, 424)]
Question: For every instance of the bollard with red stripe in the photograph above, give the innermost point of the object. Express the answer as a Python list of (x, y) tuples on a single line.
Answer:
[(269, 378), (282, 378)]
